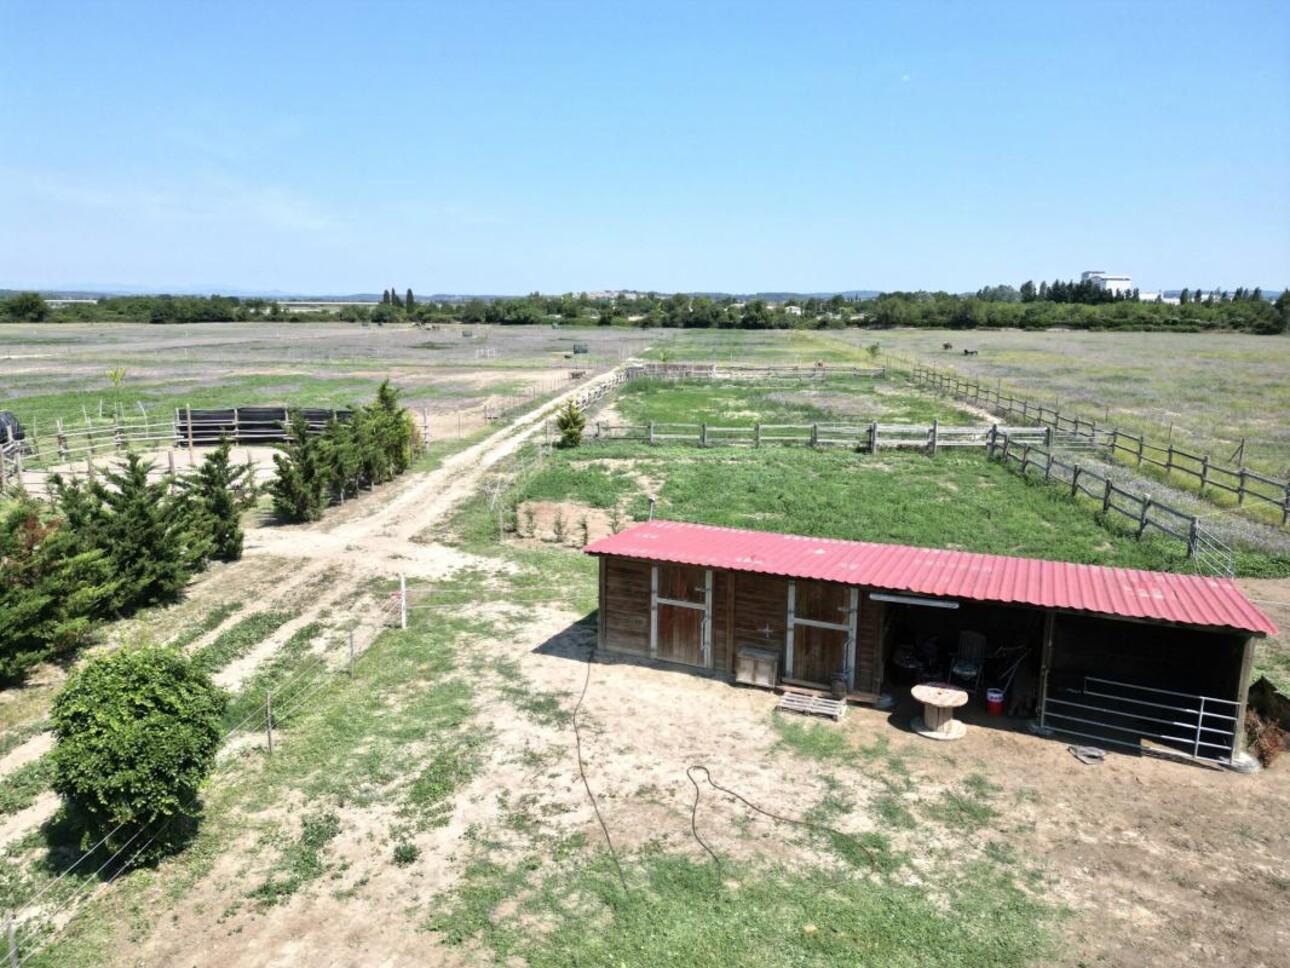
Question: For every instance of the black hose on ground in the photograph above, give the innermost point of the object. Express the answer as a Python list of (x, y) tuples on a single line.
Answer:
[(582, 769)]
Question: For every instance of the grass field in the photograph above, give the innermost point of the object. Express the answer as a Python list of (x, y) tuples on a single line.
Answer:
[(815, 401), (1209, 389), (62, 371)]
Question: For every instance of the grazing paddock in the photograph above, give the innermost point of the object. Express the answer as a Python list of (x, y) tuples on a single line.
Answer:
[(1212, 389)]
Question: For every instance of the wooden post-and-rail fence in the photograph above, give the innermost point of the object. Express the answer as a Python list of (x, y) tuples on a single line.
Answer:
[(868, 438), (1141, 511), (1206, 474)]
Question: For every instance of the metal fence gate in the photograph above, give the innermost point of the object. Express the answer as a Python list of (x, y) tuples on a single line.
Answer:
[(1126, 714)]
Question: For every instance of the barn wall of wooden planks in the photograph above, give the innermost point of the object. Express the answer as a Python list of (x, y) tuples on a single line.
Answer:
[(703, 617)]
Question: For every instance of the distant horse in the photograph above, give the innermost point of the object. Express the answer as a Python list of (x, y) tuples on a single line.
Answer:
[(969, 352), (947, 346)]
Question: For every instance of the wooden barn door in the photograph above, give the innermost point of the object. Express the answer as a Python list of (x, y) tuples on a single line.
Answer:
[(682, 610), (822, 618)]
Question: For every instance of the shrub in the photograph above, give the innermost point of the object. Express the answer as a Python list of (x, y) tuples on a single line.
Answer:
[(406, 854), (571, 422), (378, 443), (137, 732)]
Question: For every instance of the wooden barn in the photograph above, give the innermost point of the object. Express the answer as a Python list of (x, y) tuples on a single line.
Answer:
[(1134, 658)]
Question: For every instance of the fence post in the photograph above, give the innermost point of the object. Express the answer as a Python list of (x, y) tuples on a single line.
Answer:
[(1240, 491), (757, 434), (1285, 508), (1075, 471), (1007, 445), (189, 413), (873, 438), (1106, 496), (268, 719), (1169, 461), (1141, 440), (1048, 437), (1204, 473), (935, 423), (403, 601), (1142, 515), (89, 468), (118, 440), (815, 434), (1048, 467), (1191, 539), (1115, 442), (62, 438), (703, 435), (1025, 458)]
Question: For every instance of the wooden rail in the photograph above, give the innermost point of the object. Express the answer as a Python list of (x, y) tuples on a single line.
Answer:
[(869, 438), (1142, 511)]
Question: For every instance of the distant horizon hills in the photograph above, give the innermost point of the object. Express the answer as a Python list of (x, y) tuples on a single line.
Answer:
[(88, 291), (94, 291)]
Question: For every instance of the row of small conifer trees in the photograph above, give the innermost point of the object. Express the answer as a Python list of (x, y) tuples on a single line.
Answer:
[(376, 444), (105, 547)]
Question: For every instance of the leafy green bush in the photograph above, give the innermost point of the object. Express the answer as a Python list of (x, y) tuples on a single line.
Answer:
[(137, 732)]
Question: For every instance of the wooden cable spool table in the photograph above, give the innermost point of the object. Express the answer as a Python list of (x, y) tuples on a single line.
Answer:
[(939, 700)]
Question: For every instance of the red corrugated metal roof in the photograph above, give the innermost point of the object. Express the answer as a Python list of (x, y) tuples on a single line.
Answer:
[(1123, 592)]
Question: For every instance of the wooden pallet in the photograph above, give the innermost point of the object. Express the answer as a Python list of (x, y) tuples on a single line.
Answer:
[(808, 705)]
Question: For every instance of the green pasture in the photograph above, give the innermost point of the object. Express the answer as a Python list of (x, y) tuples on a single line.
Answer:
[(1203, 391), (838, 400)]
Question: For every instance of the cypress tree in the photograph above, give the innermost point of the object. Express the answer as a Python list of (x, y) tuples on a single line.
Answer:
[(216, 494), (409, 303), (51, 589), (147, 535), (301, 486)]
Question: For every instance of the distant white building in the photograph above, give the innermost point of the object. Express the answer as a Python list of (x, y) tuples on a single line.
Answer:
[(1104, 280), (793, 310)]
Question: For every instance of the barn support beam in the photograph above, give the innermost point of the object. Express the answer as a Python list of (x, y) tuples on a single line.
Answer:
[(1045, 662), (788, 635), (707, 618), (653, 611), (853, 632), (1242, 698)]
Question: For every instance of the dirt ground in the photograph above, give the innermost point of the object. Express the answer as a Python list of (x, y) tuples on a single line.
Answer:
[(1159, 863)]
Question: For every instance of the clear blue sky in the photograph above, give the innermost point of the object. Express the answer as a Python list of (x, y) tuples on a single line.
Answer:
[(504, 147)]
